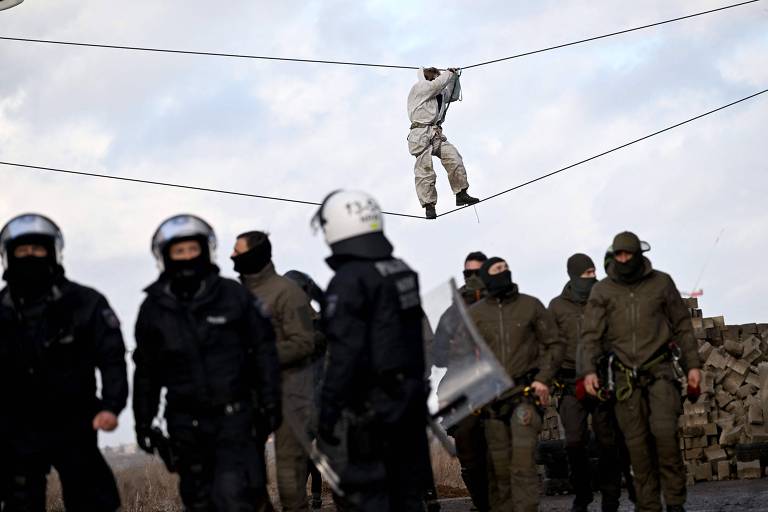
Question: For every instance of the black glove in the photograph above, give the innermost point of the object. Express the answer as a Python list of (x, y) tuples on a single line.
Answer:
[(144, 439), (273, 417), (326, 434)]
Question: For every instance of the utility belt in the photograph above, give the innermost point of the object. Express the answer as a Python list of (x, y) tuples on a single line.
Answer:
[(503, 407), (211, 411), (627, 379)]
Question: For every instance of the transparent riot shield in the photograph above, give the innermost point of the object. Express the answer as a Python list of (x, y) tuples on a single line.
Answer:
[(465, 374)]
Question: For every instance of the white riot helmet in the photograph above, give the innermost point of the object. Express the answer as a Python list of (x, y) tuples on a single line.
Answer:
[(347, 215), (180, 227), (7, 4), (31, 226)]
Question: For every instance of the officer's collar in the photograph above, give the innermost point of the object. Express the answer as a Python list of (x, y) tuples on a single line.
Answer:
[(370, 246)]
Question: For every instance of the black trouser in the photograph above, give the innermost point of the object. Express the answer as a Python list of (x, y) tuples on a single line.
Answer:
[(574, 414), (219, 462), (86, 480), (471, 450), (389, 466)]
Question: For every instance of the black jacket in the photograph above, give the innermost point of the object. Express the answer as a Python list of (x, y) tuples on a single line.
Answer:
[(49, 353), (217, 349), (373, 322)]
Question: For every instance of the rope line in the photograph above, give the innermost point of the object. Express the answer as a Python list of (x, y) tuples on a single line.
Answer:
[(353, 63), (563, 169), (595, 38), (178, 185)]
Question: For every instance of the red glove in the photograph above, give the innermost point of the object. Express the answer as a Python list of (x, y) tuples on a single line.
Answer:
[(581, 391), (694, 394)]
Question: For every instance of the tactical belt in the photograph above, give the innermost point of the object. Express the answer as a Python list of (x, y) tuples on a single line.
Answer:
[(645, 370)]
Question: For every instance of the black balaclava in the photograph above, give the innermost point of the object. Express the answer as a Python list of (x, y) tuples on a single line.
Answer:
[(186, 276), (254, 259), (633, 270), (32, 277), (580, 286), (498, 285)]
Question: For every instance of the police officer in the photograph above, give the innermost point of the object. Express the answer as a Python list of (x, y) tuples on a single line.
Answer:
[(291, 317), (375, 370), (205, 339), (524, 338), (574, 408), (468, 433), (54, 335), (637, 314)]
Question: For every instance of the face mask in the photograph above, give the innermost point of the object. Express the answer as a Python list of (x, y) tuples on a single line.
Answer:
[(581, 286), (30, 277), (473, 281), (187, 275), (499, 284), (253, 261), (632, 270)]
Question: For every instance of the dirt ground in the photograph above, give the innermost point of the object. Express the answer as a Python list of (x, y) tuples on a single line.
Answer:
[(730, 496)]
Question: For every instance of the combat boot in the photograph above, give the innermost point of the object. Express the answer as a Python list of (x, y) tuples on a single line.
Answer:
[(430, 211), (464, 199)]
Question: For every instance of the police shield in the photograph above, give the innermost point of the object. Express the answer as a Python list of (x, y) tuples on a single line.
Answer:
[(465, 374)]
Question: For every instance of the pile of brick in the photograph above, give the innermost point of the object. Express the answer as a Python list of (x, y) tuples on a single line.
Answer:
[(732, 408)]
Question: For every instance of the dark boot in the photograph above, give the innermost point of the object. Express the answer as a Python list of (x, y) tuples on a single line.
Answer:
[(429, 209), (675, 508), (464, 199), (581, 481)]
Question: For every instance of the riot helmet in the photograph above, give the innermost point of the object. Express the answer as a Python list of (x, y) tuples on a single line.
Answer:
[(353, 225), (179, 228), (31, 228)]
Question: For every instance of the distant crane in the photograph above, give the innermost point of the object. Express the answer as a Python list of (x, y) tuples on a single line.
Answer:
[(696, 291)]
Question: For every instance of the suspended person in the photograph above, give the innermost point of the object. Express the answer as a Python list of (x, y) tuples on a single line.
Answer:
[(523, 336), (468, 433), (375, 369), (637, 314), (54, 335), (427, 105), (206, 341), (574, 408)]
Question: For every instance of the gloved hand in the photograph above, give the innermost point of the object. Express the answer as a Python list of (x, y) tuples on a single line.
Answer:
[(144, 439), (327, 435), (273, 417)]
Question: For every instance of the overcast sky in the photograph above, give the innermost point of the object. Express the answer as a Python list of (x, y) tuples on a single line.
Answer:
[(302, 130)]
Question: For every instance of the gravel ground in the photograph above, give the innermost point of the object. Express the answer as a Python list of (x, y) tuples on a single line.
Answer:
[(733, 496)]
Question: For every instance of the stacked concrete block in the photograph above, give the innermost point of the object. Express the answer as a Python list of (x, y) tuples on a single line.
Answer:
[(732, 408)]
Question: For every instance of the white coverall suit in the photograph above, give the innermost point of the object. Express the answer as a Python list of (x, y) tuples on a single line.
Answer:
[(426, 136)]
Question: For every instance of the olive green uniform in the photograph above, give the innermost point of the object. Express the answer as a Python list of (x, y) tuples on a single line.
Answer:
[(637, 322), (291, 316), (568, 312), (523, 336), (469, 433)]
